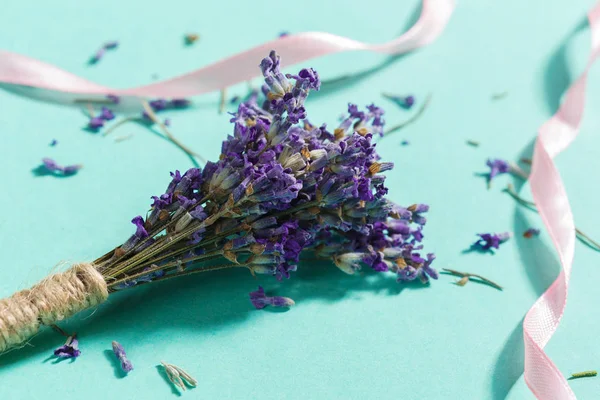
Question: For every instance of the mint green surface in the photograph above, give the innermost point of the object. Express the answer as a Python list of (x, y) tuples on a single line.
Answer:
[(348, 337)]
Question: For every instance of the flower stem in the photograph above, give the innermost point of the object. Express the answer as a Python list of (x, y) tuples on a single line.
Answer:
[(168, 133), (222, 100), (412, 119), (470, 275)]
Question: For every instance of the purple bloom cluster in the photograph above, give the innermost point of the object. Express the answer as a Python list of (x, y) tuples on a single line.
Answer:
[(283, 187)]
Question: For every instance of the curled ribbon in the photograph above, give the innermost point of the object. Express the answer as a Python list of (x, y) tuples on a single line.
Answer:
[(17, 69), (541, 375)]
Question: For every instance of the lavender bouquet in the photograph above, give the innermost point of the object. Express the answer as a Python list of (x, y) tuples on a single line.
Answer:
[(281, 188)]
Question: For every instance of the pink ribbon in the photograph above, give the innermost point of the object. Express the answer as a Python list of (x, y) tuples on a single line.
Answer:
[(542, 376), (21, 70)]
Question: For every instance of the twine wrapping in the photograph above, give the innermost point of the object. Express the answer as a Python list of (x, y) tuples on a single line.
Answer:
[(55, 298)]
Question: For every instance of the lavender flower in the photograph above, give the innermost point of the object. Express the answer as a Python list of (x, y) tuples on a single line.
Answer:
[(531, 232), (70, 349), (281, 187), (489, 241), (106, 114), (497, 167), (119, 351), (260, 300), (54, 142), (51, 166), (96, 123)]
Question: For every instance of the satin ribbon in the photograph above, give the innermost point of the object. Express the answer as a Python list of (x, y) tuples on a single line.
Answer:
[(21, 70), (542, 376)]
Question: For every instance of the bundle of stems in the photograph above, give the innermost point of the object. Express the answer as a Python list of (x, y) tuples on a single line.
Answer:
[(281, 188)]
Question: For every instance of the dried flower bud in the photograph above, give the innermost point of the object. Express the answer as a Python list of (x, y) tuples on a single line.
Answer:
[(119, 351), (348, 262), (463, 281), (260, 300)]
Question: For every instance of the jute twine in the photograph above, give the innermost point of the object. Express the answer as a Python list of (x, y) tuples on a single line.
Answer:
[(55, 298)]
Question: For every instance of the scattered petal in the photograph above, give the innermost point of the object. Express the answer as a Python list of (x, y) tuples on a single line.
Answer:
[(51, 166), (531, 232), (489, 241), (260, 300), (70, 349)]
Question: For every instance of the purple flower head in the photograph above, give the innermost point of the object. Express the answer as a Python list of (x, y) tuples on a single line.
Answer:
[(70, 349), (417, 210), (307, 78), (140, 231), (96, 123), (426, 271), (283, 34), (407, 274), (283, 186), (106, 114), (119, 351), (260, 300), (489, 241), (54, 142), (497, 167)]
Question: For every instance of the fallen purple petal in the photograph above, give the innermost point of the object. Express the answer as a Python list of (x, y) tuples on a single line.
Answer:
[(96, 123), (260, 300), (70, 349), (489, 241), (51, 166), (106, 114)]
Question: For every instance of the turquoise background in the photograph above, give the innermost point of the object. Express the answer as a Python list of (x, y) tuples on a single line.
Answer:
[(348, 337)]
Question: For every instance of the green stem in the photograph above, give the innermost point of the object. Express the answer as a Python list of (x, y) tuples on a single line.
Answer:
[(412, 119)]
